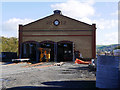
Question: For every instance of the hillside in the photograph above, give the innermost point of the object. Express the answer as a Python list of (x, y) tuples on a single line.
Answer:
[(103, 48)]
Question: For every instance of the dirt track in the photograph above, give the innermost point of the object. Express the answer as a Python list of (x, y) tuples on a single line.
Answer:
[(69, 75)]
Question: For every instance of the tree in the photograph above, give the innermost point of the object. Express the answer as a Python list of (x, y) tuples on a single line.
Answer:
[(8, 44)]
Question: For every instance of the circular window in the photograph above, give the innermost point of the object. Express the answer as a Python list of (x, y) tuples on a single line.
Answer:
[(56, 22)]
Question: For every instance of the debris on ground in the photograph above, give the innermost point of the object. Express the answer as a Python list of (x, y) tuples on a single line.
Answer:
[(59, 64), (32, 65), (93, 65)]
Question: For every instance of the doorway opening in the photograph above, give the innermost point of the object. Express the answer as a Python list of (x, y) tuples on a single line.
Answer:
[(29, 50), (47, 50), (64, 51)]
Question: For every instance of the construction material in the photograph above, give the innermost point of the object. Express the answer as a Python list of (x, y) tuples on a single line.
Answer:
[(25, 59), (59, 64), (33, 65), (78, 61), (43, 66)]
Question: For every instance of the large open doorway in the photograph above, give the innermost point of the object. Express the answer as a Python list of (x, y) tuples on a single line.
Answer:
[(29, 50), (47, 46), (64, 51)]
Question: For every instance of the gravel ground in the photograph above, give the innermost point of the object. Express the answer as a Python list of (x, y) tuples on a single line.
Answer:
[(69, 75)]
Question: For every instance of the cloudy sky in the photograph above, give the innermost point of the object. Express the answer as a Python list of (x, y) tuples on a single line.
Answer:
[(104, 14)]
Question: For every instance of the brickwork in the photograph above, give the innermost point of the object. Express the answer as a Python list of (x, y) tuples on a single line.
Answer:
[(81, 34)]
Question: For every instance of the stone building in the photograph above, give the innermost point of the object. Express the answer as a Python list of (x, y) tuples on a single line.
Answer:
[(61, 34)]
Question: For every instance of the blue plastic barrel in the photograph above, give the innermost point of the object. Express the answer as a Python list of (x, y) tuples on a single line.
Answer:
[(108, 72)]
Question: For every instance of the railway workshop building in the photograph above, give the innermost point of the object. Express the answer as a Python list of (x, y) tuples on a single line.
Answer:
[(59, 36)]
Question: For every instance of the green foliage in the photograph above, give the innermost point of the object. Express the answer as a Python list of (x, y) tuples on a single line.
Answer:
[(118, 47), (8, 44)]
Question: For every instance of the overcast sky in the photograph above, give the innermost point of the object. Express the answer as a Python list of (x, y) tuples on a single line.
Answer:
[(104, 14)]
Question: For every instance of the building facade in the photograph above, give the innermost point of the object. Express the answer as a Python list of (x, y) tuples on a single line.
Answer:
[(62, 35)]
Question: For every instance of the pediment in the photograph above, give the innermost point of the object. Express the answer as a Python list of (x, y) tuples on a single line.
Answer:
[(50, 23)]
